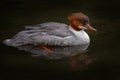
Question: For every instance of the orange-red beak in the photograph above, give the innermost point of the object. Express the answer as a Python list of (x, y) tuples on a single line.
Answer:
[(90, 28)]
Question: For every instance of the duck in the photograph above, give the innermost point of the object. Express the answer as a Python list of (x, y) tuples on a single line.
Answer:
[(54, 33)]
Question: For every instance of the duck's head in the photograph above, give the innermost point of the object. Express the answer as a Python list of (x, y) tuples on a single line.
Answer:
[(80, 21)]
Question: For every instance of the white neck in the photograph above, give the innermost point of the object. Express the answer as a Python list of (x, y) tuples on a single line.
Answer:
[(81, 35)]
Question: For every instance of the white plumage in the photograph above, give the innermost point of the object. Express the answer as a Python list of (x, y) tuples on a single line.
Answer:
[(51, 33)]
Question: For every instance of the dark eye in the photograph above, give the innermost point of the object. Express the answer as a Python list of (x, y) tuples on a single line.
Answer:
[(85, 22)]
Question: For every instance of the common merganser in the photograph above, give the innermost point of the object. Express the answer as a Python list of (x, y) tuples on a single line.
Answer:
[(54, 33)]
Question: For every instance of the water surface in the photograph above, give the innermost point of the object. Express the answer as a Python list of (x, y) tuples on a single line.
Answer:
[(100, 62)]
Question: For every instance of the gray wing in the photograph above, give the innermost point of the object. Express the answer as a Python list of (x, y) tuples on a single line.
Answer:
[(51, 28), (50, 33)]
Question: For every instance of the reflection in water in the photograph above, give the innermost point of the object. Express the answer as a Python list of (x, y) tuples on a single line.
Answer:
[(76, 57), (80, 62), (59, 52)]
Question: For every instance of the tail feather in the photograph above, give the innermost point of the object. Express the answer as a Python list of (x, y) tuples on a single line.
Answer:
[(7, 42), (11, 42)]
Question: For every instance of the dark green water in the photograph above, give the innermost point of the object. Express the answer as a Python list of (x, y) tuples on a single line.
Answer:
[(100, 62)]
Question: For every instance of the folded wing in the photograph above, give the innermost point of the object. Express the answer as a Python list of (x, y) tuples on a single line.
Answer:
[(50, 33)]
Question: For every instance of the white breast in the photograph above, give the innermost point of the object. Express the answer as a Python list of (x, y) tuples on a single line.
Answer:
[(81, 36)]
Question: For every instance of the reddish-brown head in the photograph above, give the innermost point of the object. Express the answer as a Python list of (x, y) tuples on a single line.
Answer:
[(80, 21)]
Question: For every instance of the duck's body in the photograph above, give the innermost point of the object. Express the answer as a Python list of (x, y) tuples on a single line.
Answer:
[(55, 34), (51, 33)]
